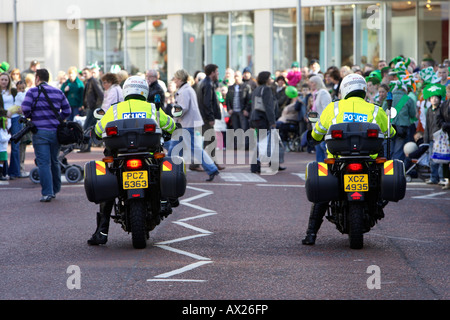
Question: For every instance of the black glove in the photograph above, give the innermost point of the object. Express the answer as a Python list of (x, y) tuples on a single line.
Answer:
[(178, 125), (311, 141), (446, 127), (166, 136)]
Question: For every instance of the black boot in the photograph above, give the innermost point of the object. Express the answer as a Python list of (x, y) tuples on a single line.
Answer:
[(103, 217), (316, 215), (255, 168), (166, 208)]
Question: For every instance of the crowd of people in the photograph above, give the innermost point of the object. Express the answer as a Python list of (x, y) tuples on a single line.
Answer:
[(241, 100)]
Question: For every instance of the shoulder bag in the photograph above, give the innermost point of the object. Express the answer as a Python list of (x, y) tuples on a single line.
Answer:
[(68, 132)]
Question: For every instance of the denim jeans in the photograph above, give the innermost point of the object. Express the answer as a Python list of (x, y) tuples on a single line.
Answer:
[(14, 162), (196, 150), (46, 150), (434, 167)]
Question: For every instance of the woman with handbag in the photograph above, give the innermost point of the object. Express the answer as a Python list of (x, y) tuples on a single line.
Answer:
[(263, 120), (45, 106)]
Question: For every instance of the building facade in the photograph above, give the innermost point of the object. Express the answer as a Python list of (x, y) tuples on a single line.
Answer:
[(260, 34)]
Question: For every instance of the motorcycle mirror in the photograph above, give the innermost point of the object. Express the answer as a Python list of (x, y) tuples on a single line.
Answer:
[(313, 116), (99, 113)]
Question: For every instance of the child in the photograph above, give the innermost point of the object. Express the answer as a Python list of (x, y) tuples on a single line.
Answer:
[(5, 124), (434, 93)]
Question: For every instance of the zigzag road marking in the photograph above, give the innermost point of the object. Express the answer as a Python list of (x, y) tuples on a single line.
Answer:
[(201, 233)]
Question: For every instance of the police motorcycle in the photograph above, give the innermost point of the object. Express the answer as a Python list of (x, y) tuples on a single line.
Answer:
[(136, 175), (355, 185)]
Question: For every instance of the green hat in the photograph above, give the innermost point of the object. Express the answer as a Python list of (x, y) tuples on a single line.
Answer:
[(4, 66), (291, 92), (428, 75), (374, 77), (434, 89), (295, 64)]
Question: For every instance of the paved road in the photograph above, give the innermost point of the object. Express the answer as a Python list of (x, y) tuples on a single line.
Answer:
[(236, 238)]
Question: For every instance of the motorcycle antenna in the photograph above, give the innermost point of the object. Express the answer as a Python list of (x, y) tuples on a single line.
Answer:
[(388, 112)]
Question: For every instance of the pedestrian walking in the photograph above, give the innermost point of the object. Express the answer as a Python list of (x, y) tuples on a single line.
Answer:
[(37, 107)]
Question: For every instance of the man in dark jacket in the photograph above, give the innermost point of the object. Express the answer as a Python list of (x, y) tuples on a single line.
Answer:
[(209, 105), (92, 99), (238, 102), (155, 93)]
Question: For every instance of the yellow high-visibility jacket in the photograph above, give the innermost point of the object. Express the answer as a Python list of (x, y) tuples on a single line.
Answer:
[(353, 109), (134, 108)]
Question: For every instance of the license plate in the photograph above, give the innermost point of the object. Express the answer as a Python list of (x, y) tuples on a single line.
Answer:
[(135, 179), (356, 182)]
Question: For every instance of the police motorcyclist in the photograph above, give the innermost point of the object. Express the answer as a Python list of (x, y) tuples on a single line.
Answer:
[(135, 92), (353, 108)]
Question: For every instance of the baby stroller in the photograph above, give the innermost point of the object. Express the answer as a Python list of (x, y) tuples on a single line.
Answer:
[(418, 164), (73, 173)]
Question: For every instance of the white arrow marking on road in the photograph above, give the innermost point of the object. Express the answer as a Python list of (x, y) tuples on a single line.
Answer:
[(202, 233)]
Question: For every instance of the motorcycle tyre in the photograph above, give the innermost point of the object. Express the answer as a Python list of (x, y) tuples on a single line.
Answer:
[(356, 225), (137, 221)]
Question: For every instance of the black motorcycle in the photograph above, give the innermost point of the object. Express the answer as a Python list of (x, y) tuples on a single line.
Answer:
[(136, 174), (355, 185)]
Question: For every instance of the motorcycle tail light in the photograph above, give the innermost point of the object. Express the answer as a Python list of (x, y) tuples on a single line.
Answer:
[(111, 131), (133, 164), (337, 134), (354, 167), (149, 127), (372, 133)]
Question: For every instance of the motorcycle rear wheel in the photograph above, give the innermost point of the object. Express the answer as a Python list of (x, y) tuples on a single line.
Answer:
[(137, 221), (356, 225)]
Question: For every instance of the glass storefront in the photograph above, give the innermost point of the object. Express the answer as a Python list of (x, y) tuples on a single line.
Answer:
[(193, 42), (313, 20), (370, 44), (433, 16), (157, 45), (217, 48), (135, 45), (115, 43), (284, 38), (94, 41), (242, 40)]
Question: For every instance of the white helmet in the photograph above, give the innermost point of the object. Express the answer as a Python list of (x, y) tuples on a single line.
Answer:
[(135, 85), (352, 82)]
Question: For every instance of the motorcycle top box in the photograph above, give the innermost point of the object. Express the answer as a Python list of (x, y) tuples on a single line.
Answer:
[(354, 138), (132, 135)]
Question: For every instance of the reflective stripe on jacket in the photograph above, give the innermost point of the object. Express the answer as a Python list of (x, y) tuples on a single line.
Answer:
[(353, 109), (135, 109)]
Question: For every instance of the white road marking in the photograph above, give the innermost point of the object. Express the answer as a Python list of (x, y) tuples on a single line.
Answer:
[(241, 177), (181, 270), (201, 233)]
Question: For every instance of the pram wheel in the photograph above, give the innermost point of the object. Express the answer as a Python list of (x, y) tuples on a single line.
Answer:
[(295, 144), (408, 178), (34, 175), (73, 174)]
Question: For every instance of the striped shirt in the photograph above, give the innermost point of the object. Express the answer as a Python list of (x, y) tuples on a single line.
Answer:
[(42, 115)]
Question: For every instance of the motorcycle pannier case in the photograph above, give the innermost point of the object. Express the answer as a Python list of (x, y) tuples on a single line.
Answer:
[(173, 177), (320, 184), (99, 183), (133, 135), (393, 180)]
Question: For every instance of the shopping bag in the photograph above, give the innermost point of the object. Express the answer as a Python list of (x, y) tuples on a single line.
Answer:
[(441, 147)]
